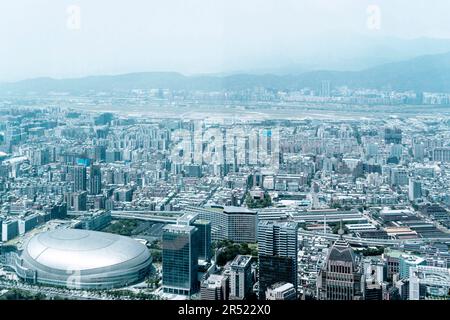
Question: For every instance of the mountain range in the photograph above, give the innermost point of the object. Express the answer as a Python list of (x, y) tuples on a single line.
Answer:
[(424, 73)]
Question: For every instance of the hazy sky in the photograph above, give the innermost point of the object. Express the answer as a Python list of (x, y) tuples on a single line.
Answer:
[(41, 38)]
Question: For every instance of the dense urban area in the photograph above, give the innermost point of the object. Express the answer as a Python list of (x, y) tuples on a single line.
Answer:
[(325, 194)]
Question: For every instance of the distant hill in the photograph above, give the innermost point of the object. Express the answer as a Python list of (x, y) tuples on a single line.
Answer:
[(424, 73)]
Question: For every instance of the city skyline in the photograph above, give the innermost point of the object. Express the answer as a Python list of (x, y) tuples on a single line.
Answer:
[(242, 152)]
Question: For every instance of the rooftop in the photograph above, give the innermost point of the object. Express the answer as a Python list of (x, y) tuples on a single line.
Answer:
[(234, 210), (281, 286), (241, 261)]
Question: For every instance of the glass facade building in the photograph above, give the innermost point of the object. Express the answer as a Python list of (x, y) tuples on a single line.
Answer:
[(278, 248), (181, 245), (204, 235)]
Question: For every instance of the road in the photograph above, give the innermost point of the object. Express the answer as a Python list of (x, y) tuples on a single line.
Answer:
[(51, 292), (139, 215), (373, 242)]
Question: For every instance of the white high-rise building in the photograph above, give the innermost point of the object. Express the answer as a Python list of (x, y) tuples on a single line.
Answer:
[(415, 189), (241, 277)]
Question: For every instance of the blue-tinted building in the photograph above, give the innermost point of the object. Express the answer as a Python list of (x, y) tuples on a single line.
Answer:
[(407, 261), (204, 235), (180, 259)]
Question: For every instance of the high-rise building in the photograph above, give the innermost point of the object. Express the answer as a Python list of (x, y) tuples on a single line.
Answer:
[(341, 276), (95, 180), (241, 277), (414, 189), (419, 151), (407, 261), (204, 235), (277, 254), (373, 290), (10, 229), (441, 154), (100, 153), (79, 178), (180, 245), (80, 201), (216, 287), (374, 270)]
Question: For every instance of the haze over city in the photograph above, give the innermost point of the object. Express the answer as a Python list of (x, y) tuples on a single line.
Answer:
[(63, 39)]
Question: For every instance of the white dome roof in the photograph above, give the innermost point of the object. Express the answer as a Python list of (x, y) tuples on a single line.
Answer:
[(76, 249), (99, 258)]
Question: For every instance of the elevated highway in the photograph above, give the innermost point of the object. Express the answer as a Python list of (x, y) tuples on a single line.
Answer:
[(374, 242)]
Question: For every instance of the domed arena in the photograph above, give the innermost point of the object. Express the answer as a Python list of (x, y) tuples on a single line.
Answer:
[(83, 259)]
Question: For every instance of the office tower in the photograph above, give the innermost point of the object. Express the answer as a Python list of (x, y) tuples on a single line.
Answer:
[(216, 287), (373, 290), (241, 224), (180, 245), (414, 189), (392, 263), (204, 234), (392, 135), (241, 277), (278, 248), (281, 291), (79, 178), (95, 180), (408, 261), (341, 276), (375, 269), (374, 278)]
